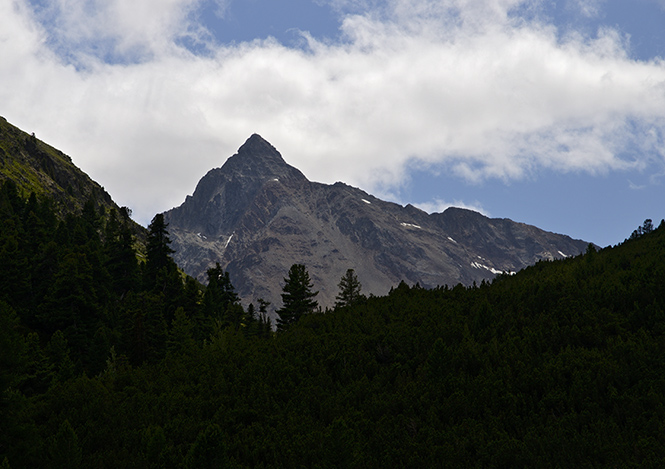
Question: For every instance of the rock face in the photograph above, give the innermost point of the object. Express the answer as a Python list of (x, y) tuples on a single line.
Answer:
[(256, 216)]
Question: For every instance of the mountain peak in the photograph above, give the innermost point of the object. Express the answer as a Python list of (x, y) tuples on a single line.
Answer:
[(223, 194), (257, 158), (257, 144), (256, 216)]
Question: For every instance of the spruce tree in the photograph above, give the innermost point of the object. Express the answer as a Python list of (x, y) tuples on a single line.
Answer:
[(120, 256), (298, 298), (159, 262), (349, 290)]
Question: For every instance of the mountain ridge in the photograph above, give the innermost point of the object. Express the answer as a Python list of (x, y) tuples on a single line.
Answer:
[(36, 167), (256, 215)]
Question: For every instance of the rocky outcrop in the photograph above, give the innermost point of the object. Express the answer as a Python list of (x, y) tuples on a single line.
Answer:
[(256, 216)]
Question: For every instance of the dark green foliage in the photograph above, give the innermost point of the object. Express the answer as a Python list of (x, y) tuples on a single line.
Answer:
[(145, 327), (63, 448), (560, 365), (257, 322), (181, 338), (12, 349), (298, 298), (39, 368), (159, 267), (156, 446), (220, 300), (58, 353), (75, 274), (120, 256), (208, 451)]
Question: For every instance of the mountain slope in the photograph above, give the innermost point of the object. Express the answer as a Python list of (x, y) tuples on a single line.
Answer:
[(256, 216), (37, 167)]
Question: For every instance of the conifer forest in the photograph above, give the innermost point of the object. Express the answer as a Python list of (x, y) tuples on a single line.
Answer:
[(111, 357)]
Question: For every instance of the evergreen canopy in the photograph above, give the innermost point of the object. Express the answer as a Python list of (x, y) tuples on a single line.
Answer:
[(560, 365)]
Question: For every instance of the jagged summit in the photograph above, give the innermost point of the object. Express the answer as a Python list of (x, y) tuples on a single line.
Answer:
[(258, 159), (257, 215), (224, 194), (256, 143)]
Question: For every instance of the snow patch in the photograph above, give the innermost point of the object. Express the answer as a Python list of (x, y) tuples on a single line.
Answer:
[(228, 241), (452, 240), (562, 254), (478, 265), (366, 201), (411, 225), (201, 236)]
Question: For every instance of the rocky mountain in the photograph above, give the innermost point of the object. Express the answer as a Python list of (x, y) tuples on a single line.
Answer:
[(35, 166), (256, 216)]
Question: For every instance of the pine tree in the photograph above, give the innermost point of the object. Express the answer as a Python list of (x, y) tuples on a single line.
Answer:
[(349, 290), (120, 256), (159, 262), (298, 298)]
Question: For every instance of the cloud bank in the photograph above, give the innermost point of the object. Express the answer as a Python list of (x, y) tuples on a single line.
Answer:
[(472, 87)]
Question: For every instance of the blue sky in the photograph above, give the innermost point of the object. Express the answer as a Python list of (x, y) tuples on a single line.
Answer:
[(550, 113)]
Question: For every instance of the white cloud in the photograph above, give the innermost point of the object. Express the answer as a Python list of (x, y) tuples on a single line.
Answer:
[(118, 29), (588, 8), (460, 84)]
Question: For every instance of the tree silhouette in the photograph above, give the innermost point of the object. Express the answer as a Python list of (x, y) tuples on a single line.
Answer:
[(646, 228), (349, 290), (298, 297), (158, 252)]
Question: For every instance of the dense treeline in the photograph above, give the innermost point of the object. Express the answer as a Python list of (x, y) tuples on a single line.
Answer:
[(562, 364)]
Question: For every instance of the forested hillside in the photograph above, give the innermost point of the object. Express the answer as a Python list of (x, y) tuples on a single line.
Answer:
[(109, 359)]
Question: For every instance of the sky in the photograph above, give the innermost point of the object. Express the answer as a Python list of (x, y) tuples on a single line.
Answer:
[(547, 112)]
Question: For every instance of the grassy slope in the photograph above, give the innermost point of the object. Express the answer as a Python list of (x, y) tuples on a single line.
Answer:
[(37, 167)]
